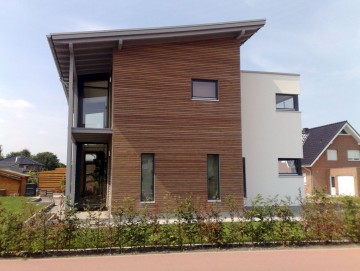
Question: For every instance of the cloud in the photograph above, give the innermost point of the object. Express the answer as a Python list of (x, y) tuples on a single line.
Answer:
[(15, 104)]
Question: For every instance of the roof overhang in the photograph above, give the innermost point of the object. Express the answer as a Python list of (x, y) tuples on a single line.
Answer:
[(93, 50)]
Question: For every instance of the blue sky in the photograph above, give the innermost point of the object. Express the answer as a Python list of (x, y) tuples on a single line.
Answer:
[(318, 39)]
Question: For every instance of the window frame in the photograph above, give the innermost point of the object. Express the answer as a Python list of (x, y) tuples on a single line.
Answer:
[(142, 200), (218, 199), (353, 160), (205, 98), (328, 154), (295, 99), (297, 162)]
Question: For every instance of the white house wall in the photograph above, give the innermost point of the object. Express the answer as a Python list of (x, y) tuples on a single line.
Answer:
[(268, 134)]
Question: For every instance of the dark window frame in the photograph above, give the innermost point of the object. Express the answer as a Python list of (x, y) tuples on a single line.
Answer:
[(295, 99), (218, 177), (205, 98), (244, 176), (297, 166), (142, 199)]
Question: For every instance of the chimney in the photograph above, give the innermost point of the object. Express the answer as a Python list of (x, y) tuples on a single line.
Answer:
[(305, 131)]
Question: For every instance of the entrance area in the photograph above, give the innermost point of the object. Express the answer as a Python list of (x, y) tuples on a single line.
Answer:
[(91, 183)]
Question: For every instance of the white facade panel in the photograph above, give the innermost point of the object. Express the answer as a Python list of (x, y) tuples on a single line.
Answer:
[(269, 134)]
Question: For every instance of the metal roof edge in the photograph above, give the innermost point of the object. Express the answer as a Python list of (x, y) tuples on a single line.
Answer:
[(158, 30)]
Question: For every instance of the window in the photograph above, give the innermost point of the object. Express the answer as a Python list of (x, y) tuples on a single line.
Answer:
[(147, 177), (331, 155), (332, 181), (204, 89), (353, 155), (289, 166), (244, 176), (213, 177), (287, 102), (93, 101)]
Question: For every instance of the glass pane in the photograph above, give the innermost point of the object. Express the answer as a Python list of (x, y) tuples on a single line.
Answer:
[(101, 84), (213, 177), (147, 177), (285, 101), (287, 167), (204, 89), (95, 107)]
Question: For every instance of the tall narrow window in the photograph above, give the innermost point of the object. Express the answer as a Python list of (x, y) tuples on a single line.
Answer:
[(213, 177), (94, 101), (147, 177), (244, 176)]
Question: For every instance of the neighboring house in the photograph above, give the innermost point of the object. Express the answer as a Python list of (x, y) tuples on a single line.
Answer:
[(21, 164), (271, 134), (12, 182), (153, 111), (332, 159)]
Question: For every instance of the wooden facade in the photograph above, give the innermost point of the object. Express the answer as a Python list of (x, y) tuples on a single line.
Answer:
[(12, 183), (153, 112), (52, 180)]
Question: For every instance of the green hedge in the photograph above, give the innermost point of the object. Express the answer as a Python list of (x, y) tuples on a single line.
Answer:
[(191, 223)]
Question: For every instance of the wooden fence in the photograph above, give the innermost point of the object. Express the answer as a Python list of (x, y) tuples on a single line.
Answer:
[(52, 180)]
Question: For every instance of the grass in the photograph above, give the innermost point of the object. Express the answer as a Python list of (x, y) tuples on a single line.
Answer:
[(21, 205)]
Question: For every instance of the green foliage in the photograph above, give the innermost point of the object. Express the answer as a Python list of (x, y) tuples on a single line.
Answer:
[(351, 207), (322, 219), (49, 159), (24, 152), (33, 177), (184, 222)]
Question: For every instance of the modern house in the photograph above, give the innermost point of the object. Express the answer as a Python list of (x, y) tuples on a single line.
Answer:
[(332, 159), (271, 134), (161, 110), (21, 164)]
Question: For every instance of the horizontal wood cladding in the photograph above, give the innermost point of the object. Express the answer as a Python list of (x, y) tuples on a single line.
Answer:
[(153, 112), (51, 180)]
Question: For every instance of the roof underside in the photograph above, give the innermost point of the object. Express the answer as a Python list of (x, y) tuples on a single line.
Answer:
[(93, 50)]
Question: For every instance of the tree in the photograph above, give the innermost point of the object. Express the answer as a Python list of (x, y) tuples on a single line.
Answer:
[(1, 156), (49, 159), (24, 152)]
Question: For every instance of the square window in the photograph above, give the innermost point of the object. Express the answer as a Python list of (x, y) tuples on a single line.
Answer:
[(289, 166), (331, 155), (287, 102), (353, 155), (204, 89)]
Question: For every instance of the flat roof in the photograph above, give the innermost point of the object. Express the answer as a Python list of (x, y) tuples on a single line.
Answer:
[(93, 50)]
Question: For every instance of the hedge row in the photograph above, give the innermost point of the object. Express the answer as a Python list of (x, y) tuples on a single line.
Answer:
[(191, 223)]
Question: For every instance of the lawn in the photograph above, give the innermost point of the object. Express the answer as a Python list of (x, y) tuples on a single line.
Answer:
[(21, 205)]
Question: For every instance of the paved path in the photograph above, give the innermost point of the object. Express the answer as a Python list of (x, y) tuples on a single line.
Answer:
[(319, 259)]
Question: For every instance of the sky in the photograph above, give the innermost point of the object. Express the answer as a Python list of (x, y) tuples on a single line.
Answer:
[(320, 40)]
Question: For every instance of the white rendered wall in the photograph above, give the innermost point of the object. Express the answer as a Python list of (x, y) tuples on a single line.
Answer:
[(268, 134)]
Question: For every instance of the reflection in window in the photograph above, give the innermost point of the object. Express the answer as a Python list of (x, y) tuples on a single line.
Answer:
[(93, 103), (147, 177), (289, 166), (287, 102), (213, 177)]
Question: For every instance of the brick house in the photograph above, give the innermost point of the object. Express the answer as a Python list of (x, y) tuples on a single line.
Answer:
[(332, 159), (153, 111), (21, 164)]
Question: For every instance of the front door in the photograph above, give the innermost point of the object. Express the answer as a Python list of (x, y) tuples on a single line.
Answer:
[(92, 185)]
